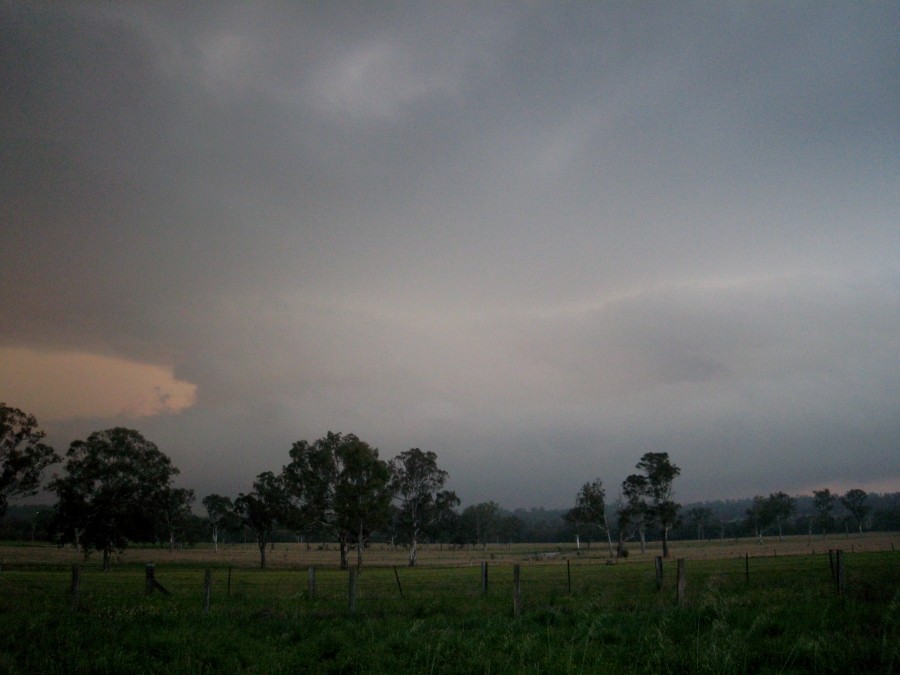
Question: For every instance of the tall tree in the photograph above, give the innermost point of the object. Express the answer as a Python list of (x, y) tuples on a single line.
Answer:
[(112, 481), (855, 502), (759, 516), (590, 508), (417, 484), (780, 506), (23, 455), (174, 513), (362, 497), (339, 484), (662, 509), (699, 517), (479, 522), (633, 511), (310, 479), (262, 508), (221, 514), (823, 502)]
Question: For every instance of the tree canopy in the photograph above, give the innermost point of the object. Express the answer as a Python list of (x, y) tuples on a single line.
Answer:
[(23, 455), (114, 483)]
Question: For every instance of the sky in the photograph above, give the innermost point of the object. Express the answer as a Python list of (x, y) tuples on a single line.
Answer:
[(538, 239)]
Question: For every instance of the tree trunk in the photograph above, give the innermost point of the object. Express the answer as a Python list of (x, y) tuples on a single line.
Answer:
[(359, 547), (412, 551), (215, 536), (342, 545), (262, 552), (106, 554), (643, 541), (665, 542), (608, 536)]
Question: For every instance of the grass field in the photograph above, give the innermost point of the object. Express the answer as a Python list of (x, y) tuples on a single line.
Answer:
[(579, 614)]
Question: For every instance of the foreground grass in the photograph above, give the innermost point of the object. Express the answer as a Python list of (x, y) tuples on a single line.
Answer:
[(787, 619)]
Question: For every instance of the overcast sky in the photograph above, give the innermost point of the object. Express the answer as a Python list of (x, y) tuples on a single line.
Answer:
[(537, 239)]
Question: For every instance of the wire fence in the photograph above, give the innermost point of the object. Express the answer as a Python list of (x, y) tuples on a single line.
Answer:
[(496, 587)]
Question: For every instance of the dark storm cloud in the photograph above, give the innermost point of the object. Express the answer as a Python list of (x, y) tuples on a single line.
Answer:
[(537, 240)]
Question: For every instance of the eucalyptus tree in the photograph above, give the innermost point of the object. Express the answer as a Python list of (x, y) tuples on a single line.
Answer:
[(661, 508), (417, 484), (262, 508), (780, 506), (174, 513), (590, 509), (114, 480), (338, 484), (23, 455), (633, 511), (221, 515), (823, 502), (855, 502)]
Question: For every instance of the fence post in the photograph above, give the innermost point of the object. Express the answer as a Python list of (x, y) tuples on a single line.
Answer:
[(311, 581), (569, 576), (207, 589), (517, 590), (149, 579), (76, 586), (839, 570), (397, 577), (352, 589), (679, 597), (659, 573), (484, 577)]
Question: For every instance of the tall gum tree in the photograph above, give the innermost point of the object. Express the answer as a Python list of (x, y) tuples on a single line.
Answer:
[(417, 484), (662, 509)]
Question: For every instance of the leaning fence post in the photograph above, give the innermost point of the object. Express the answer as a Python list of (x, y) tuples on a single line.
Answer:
[(76, 586), (517, 590), (659, 573), (149, 579), (484, 577), (397, 577), (311, 581), (207, 589), (679, 597), (352, 590)]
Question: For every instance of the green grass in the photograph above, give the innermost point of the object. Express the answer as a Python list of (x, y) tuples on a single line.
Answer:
[(787, 619)]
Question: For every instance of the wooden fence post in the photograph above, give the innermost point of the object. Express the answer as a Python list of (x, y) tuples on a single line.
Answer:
[(679, 597), (517, 590), (207, 589), (311, 581), (352, 589), (839, 570), (659, 573), (76, 586), (397, 577), (484, 577), (149, 579)]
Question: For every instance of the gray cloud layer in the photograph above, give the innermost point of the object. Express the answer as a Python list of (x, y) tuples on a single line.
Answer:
[(537, 240)]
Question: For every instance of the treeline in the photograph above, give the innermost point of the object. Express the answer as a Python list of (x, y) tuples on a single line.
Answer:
[(117, 487)]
